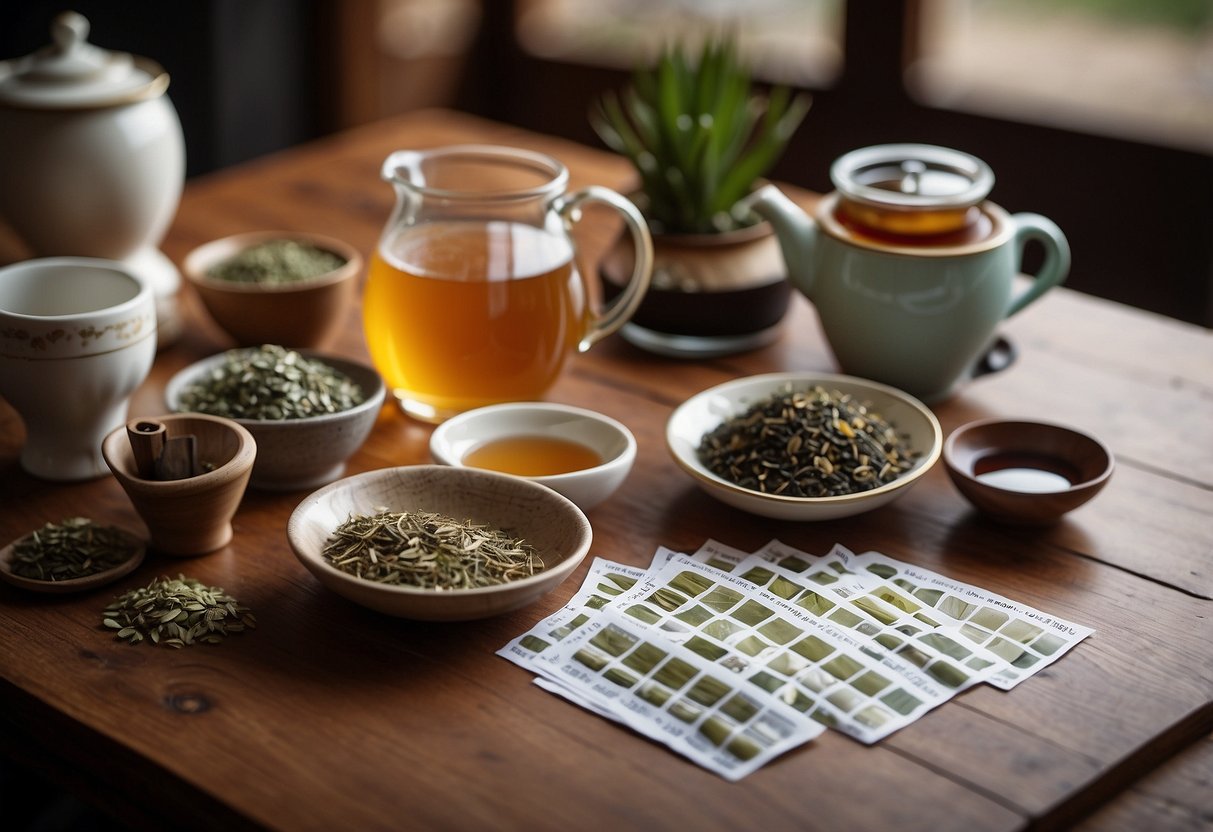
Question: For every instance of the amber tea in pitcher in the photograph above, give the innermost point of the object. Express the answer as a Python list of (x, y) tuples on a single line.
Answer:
[(464, 313), (473, 295)]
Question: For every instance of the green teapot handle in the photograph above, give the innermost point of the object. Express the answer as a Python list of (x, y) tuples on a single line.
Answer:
[(1056, 266)]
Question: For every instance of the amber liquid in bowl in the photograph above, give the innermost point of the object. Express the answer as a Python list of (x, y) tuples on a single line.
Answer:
[(533, 456), (461, 314)]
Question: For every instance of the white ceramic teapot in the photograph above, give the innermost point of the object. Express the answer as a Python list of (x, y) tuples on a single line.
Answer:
[(92, 158)]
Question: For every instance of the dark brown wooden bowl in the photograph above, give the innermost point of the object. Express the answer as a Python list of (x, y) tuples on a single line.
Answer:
[(1078, 463)]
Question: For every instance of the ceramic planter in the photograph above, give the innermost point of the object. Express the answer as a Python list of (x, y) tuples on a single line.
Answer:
[(711, 294)]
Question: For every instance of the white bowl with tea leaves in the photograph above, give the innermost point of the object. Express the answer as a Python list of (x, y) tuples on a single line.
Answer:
[(804, 446), (436, 543), (580, 453), (308, 412)]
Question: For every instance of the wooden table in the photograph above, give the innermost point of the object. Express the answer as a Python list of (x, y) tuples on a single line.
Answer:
[(329, 716)]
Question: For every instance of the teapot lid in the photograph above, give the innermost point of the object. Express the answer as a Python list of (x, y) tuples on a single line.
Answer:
[(912, 177), (71, 73)]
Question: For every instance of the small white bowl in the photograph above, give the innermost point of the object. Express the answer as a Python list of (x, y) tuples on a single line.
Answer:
[(454, 439), (705, 411), (294, 454), (555, 527)]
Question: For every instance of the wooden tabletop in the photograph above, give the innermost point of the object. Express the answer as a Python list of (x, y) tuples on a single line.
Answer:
[(329, 716)]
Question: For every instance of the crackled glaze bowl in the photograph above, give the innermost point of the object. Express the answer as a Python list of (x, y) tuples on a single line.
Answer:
[(297, 454), (552, 524)]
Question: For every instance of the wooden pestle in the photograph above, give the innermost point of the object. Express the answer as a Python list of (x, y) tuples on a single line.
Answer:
[(159, 456), (147, 437), (179, 459)]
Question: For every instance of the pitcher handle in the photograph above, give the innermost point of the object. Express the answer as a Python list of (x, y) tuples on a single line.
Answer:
[(1056, 264), (615, 314), (409, 160)]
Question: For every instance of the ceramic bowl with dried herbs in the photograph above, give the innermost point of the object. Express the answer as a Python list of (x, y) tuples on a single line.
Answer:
[(804, 446), (276, 287), (438, 543), (308, 412)]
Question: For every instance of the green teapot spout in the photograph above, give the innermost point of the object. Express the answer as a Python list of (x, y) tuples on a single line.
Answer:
[(797, 232)]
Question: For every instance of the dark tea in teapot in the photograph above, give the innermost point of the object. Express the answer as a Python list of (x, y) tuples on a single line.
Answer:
[(913, 195)]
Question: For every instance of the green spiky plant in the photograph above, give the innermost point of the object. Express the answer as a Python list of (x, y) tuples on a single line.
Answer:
[(698, 134)]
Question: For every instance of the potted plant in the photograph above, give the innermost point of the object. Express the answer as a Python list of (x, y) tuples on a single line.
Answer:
[(700, 136)]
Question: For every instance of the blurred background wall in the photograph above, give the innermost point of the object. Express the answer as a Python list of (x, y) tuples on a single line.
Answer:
[(1096, 113)]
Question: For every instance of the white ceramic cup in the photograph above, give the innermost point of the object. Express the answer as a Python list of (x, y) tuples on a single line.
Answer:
[(77, 336)]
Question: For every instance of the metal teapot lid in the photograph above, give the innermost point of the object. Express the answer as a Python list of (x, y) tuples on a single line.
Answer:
[(71, 73), (917, 193), (912, 177)]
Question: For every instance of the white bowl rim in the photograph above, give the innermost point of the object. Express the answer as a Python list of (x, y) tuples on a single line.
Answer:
[(565, 566), (372, 400), (439, 437), (141, 297), (195, 271), (699, 472)]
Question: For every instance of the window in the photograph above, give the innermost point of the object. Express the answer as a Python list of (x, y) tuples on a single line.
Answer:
[(797, 42), (1139, 69)]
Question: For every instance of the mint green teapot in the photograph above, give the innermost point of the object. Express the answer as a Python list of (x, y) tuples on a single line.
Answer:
[(910, 268)]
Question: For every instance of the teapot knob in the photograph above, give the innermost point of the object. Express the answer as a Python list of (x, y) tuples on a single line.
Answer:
[(911, 181), (69, 30), (70, 58)]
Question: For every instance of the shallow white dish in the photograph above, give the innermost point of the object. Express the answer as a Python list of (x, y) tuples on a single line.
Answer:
[(295, 454), (706, 410), (454, 439), (557, 529)]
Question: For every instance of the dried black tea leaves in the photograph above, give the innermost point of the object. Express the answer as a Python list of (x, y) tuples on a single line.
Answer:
[(806, 443)]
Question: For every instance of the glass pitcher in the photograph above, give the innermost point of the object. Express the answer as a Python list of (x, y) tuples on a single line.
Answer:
[(474, 296)]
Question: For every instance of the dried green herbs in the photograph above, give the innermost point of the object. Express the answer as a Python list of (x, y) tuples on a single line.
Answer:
[(277, 261), (75, 548), (428, 550), (177, 612), (809, 443), (271, 382)]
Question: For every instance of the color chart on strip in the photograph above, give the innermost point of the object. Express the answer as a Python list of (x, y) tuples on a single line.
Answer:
[(731, 659)]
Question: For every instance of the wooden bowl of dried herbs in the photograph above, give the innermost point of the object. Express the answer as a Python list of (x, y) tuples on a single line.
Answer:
[(276, 287), (802, 446), (436, 543), (74, 555), (308, 412)]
